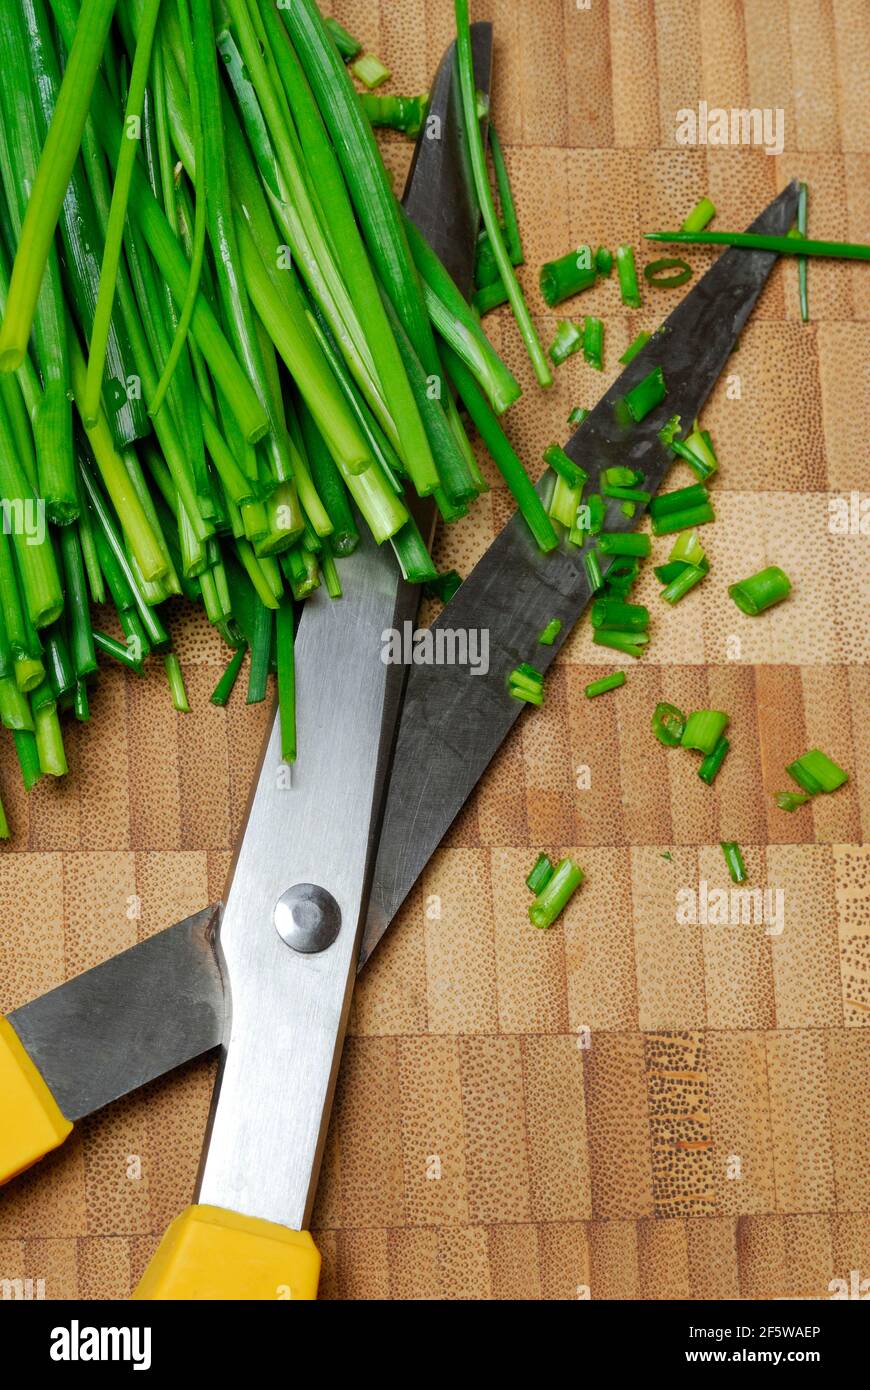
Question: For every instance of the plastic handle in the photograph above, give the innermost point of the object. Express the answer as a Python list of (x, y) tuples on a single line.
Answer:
[(31, 1123), (209, 1253)]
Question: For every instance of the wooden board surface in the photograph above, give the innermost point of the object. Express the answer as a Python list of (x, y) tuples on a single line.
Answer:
[(625, 1105)]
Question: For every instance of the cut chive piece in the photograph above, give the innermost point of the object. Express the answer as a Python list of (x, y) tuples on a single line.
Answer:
[(592, 566), (346, 44), (567, 469), (631, 643), (526, 674), (656, 273), (703, 730), (28, 757), (474, 144), (551, 632), (569, 275), (225, 686), (402, 113), (620, 476), (624, 543), (635, 346), (565, 502), (791, 801), (702, 213), (699, 454), (668, 724), (174, 676), (502, 452), (513, 240), (666, 503), (370, 71), (578, 415), (626, 494), (606, 683), (286, 629), (646, 395), (802, 262), (527, 694), (815, 772), (49, 739), (734, 860), (626, 270), (118, 651), (444, 586), (683, 521), (554, 898), (4, 828), (684, 582), (593, 343), (666, 574), (489, 298), (567, 341), (712, 763), (782, 245), (614, 615), (604, 260), (761, 591), (688, 549), (540, 874), (261, 650)]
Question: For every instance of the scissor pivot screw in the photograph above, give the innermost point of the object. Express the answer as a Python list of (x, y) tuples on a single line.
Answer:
[(308, 918)]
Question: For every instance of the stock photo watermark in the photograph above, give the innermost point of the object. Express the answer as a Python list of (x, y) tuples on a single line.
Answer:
[(719, 125), (442, 646), (731, 907), (23, 516)]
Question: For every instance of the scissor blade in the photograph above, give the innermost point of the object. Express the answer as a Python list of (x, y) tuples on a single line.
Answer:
[(453, 721), (136, 1016)]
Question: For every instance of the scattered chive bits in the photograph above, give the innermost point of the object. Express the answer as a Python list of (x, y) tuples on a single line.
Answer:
[(703, 730), (570, 472), (540, 874), (712, 764), (668, 724), (601, 687), (667, 273), (348, 46), (554, 897), (369, 70), (577, 416), (568, 340), (593, 343), (626, 271), (815, 772), (635, 346), (526, 683), (734, 861), (791, 801), (571, 274), (761, 591), (701, 215), (646, 395), (604, 260), (550, 632)]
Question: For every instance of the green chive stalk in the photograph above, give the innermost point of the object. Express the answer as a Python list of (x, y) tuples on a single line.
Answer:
[(758, 241), (285, 627), (555, 896), (49, 739), (42, 592)]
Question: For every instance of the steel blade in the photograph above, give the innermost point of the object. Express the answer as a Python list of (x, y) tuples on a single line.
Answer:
[(453, 721), (137, 1016)]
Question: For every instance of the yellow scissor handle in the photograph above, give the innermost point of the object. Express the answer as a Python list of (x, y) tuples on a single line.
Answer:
[(210, 1253), (31, 1122)]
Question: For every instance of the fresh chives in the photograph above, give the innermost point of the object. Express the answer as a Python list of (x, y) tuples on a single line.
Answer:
[(42, 593), (474, 146), (687, 549), (4, 824), (593, 343), (118, 651), (712, 763), (555, 896), (568, 276), (703, 730), (626, 494), (526, 693), (606, 683), (49, 739), (223, 690), (540, 874), (604, 260), (614, 615), (578, 415), (803, 197), (635, 346), (592, 566), (489, 298), (261, 644), (370, 71), (550, 632), (626, 271), (569, 471), (631, 643), (624, 543), (700, 447), (667, 503), (568, 340), (684, 582), (28, 757), (656, 273), (81, 707), (668, 724), (791, 801), (815, 772), (14, 709), (346, 44), (761, 591), (702, 213), (734, 860), (403, 113), (285, 630), (646, 395), (756, 241), (683, 521), (513, 240)]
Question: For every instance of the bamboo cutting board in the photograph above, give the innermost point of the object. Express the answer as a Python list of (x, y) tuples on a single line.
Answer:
[(624, 1106)]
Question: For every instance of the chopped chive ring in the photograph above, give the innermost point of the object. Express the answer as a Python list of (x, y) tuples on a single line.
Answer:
[(567, 341), (656, 274), (578, 415), (370, 71), (635, 346), (606, 683), (626, 271), (567, 469), (702, 213), (593, 343), (703, 730), (603, 260), (668, 724), (540, 874), (684, 582), (761, 591), (614, 615), (592, 566), (683, 521), (669, 502), (791, 801), (569, 275), (630, 643), (554, 898), (551, 632), (624, 543), (646, 395), (815, 772), (734, 860), (712, 763)]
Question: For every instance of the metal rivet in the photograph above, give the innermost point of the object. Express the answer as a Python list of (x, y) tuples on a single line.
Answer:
[(308, 918)]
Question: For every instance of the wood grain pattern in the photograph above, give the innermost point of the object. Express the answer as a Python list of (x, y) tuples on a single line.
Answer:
[(627, 1106)]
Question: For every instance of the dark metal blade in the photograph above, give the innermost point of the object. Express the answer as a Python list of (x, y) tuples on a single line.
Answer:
[(123, 1023), (439, 195), (454, 721)]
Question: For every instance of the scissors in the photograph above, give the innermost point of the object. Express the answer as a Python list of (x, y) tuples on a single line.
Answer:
[(326, 860)]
